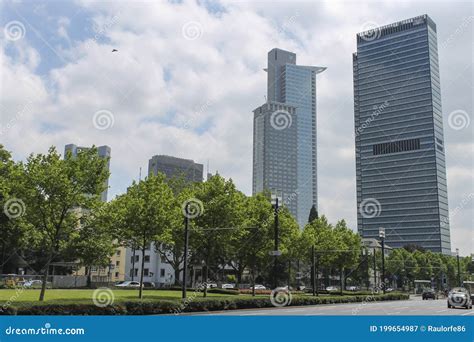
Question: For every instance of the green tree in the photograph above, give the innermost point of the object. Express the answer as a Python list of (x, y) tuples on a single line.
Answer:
[(319, 234), (13, 227), (172, 251), (313, 214), (349, 244), (93, 242), (54, 188), (222, 213), (251, 243), (142, 216)]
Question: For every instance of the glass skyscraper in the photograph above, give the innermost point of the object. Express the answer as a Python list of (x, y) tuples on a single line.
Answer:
[(285, 158), (400, 157), (102, 151)]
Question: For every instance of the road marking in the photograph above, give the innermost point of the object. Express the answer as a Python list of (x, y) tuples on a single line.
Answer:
[(252, 314)]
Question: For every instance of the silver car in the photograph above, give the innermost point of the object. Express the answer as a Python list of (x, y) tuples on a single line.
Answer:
[(459, 297)]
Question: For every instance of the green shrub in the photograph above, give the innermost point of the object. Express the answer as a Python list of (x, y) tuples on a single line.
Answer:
[(223, 291), (189, 305), (71, 309)]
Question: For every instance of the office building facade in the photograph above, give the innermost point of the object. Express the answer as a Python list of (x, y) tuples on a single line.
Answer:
[(102, 151), (400, 157), (176, 167), (291, 92)]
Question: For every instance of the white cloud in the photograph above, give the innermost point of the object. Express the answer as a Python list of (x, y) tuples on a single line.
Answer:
[(193, 98)]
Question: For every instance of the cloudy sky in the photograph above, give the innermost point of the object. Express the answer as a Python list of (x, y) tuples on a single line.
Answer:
[(188, 74)]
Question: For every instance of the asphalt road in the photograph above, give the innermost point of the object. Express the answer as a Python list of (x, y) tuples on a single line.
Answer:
[(413, 306)]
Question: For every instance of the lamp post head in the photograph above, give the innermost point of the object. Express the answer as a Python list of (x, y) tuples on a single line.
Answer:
[(276, 195), (457, 251), (382, 233)]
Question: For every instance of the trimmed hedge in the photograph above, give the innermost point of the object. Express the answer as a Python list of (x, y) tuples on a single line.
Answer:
[(223, 291), (189, 305)]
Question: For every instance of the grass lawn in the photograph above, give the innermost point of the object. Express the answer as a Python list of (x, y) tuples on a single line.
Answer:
[(84, 296)]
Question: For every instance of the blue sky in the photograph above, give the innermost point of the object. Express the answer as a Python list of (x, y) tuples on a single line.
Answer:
[(188, 75)]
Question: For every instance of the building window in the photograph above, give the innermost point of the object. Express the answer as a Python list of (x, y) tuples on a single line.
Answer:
[(117, 263), (118, 252), (145, 272), (116, 274), (396, 146), (147, 258), (162, 272)]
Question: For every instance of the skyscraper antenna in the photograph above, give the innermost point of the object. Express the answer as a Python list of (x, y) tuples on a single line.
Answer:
[(140, 175)]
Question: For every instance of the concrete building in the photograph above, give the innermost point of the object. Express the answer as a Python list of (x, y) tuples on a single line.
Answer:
[(175, 167), (400, 152), (156, 269), (291, 111)]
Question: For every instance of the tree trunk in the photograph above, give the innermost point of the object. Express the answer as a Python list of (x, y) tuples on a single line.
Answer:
[(89, 277), (133, 265), (140, 294), (253, 281), (176, 276), (298, 273), (341, 280), (240, 271), (3, 258), (205, 279), (45, 279)]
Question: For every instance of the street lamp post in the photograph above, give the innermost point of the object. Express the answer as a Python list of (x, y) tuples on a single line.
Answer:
[(375, 267), (365, 255), (275, 201), (185, 257), (459, 268), (382, 239), (313, 271)]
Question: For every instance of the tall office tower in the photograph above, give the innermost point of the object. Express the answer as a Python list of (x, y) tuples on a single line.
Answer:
[(400, 161), (175, 167), (103, 151), (284, 151)]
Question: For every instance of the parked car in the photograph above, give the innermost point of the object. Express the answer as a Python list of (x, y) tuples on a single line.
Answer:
[(128, 283), (211, 285), (258, 287), (332, 288), (352, 288), (228, 286), (389, 289), (459, 297), (34, 284), (429, 294)]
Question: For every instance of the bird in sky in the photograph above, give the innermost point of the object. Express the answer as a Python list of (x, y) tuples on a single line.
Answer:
[(114, 50)]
